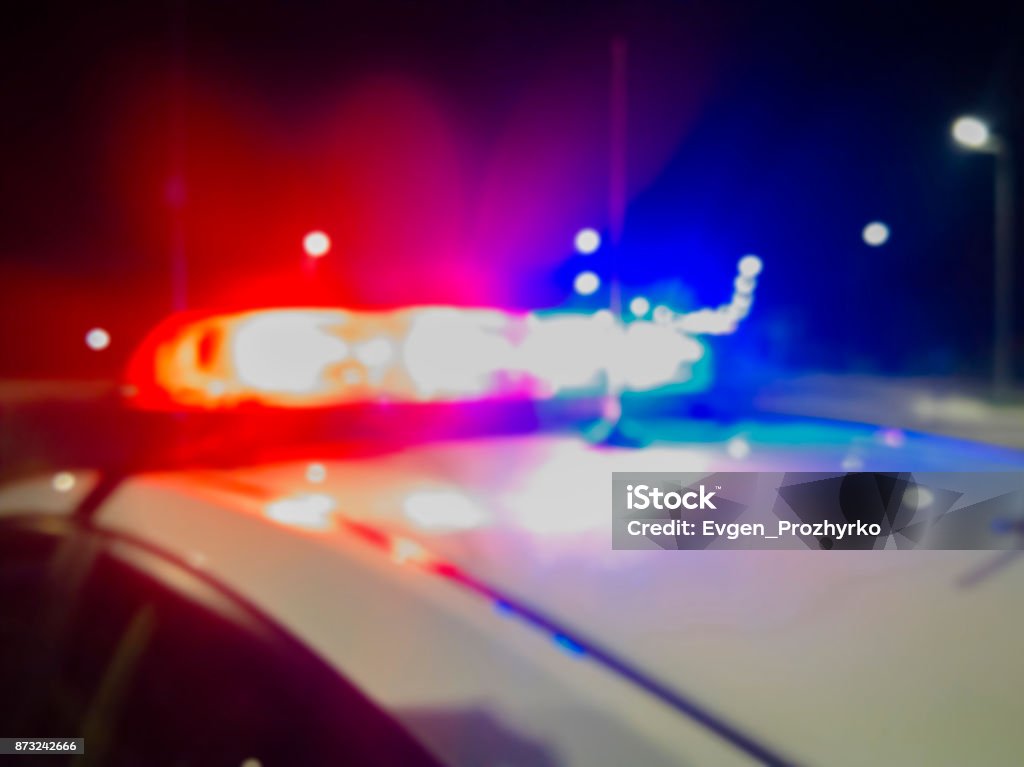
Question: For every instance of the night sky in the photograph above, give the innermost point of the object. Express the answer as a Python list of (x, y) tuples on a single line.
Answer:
[(452, 150)]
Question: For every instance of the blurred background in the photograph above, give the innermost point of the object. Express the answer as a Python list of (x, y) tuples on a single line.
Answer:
[(565, 165), (174, 155)]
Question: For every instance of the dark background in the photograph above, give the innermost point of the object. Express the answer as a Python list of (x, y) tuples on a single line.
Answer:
[(453, 149)]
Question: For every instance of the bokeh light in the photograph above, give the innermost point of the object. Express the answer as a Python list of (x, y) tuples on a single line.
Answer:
[(97, 339), (737, 448), (443, 510), (63, 481), (750, 266), (586, 283), (971, 132), (639, 306), (316, 244), (876, 233), (311, 511), (587, 241), (662, 314), (316, 473)]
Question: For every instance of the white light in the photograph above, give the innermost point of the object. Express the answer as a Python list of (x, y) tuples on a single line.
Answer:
[(654, 355), (449, 351), (311, 511), (316, 244), (725, 319), (63, 481), (662, 314), (971, 132), (742, 300), (639, 306), (587, 241), (744, 285), (286, 351), (443, 510), (97, 339), (586, 283), (750, 266), (566, 351), (316, 473), (534, 504), (737, 448), (876, 233), (709, 321), (375, 352)]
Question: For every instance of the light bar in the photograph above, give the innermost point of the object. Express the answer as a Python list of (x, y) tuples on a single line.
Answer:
[(315, 357)]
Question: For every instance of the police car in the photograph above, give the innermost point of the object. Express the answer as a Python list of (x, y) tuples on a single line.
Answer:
[(444, 591)]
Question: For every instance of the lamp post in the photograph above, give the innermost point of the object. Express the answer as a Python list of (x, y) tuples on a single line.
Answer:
[(975, 135)]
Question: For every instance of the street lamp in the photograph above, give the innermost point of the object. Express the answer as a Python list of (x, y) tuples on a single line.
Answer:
[(974, 134), (971, 132)]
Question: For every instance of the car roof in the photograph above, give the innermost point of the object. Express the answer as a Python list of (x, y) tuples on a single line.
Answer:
[(782, 644)]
